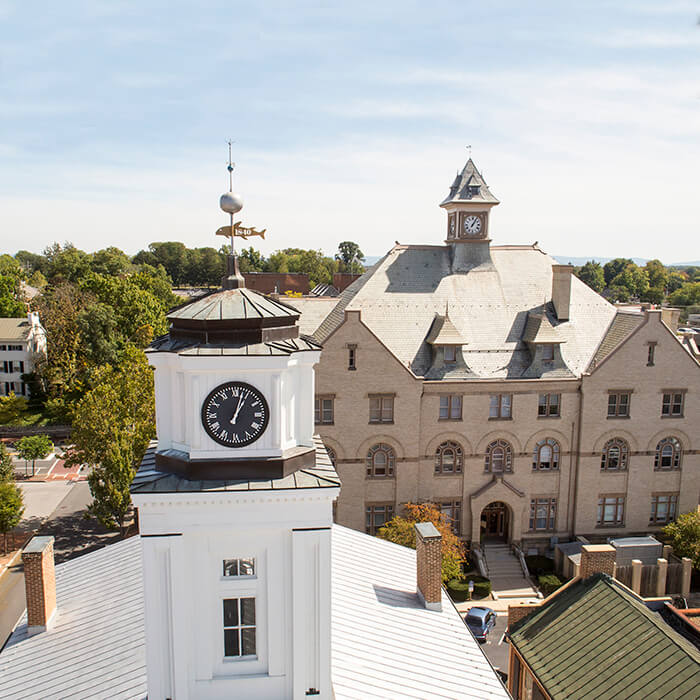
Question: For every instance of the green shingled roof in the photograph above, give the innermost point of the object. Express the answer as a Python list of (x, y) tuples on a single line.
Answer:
[(597, 640)]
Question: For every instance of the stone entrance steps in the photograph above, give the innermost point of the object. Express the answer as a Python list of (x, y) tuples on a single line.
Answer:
[(507, 579)]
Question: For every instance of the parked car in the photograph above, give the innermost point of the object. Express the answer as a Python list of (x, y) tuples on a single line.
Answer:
[(688, 330), (480, 621)]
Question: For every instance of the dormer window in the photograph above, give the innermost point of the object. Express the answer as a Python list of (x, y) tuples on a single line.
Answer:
[(474, 190), (548, 353), (450, 354)]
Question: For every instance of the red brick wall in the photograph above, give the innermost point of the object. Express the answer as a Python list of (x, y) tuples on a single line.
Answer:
[(341, 280), (281, 282)]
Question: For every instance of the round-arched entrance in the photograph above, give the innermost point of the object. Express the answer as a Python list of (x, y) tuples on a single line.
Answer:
[(495, 522)]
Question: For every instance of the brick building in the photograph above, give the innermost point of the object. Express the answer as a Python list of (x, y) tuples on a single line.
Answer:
[(492, 381)]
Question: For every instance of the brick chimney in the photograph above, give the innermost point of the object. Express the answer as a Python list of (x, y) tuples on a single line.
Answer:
[(597, 559), (429, 565), (39, 583), (518, 612), (561, 290)]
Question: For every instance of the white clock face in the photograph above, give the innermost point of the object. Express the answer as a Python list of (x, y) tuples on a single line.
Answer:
[(472, 225)]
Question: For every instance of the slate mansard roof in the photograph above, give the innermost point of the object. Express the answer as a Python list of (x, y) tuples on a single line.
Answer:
[(489, 306), (384, 643), (596, 639)]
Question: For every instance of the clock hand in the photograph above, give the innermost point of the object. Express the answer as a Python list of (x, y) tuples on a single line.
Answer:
[(238, 408)]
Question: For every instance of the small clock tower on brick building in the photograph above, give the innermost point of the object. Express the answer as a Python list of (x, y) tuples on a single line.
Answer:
[(235, 504)]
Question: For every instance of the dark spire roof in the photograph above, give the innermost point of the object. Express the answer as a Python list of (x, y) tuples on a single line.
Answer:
[(469, 186)]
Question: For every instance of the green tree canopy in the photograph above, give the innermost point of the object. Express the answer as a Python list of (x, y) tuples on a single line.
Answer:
[(32, 262), (12, 408), (687, 295), (592, 274), (684, 536), (350, 257), (33, 447), (7, 469), (172, 255), (632, 278), (613, 268), (114, 422), (401, 530), (11, 509), (657, 274), (12, 302), (65, 262), (110, 261)]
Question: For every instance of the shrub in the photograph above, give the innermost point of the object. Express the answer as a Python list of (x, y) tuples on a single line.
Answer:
[(538, 565), (549, 583), (458, 588)]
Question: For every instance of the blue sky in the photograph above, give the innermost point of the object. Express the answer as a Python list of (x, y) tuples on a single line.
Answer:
[(350, 121)]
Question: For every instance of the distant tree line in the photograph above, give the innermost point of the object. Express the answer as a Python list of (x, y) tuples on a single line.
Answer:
[(621, 280)]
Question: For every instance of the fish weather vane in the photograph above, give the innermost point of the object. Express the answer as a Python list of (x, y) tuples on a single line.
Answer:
[(232, 203)]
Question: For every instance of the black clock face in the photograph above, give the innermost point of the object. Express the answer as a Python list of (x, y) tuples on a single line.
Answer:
[(235, 414)]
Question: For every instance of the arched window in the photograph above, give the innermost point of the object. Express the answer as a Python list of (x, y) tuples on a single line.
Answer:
[(499, 457), (331, 455), (448, 458), (380, 461), (668, 454), (546, 454), (615, 454)]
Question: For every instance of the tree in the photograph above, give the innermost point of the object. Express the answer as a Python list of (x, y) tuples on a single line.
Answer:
[(114, 423), (684, 536), (12, 303), (634, 279), (657, 274), (110, 261), (97, 326), (66, 262), (31, 262), (7, 468), (249, 259), (12, 408), (172, 256), (592, 274), (350, 256), (401, 531), (11, 509), (613, 268), (33, 447), (687, 295), (676, 280)]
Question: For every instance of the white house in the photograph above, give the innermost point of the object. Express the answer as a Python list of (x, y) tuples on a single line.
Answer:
[(21, 340)]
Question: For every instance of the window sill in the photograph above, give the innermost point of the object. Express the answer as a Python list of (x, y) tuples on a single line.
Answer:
[(447, 473), (500, 418), (558, 416), (488, 471), (613, 471), (450, 420), (618, 417), (351, 369), (668, 470), (679, 415), (380, 478), (545, 471), (325, 423), (381, 422), (541, 532), (605, 526)]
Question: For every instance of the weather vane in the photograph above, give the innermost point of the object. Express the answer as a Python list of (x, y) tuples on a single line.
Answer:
[(469, 150), (232, 203)]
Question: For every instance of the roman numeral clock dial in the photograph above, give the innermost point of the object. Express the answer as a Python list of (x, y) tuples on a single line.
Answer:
[(235, 414)]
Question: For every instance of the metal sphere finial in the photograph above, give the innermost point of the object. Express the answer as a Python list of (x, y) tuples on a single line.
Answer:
[(231, 202)]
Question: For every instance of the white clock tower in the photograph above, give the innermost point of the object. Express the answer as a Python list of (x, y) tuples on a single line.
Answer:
[(235, 504)]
